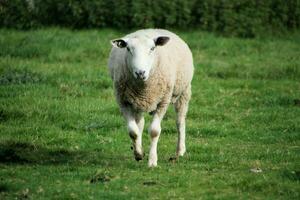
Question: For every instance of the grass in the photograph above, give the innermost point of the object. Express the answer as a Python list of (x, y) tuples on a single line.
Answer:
[(62, 135)]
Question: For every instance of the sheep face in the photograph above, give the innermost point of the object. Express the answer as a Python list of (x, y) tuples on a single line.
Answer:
[(140, 54)]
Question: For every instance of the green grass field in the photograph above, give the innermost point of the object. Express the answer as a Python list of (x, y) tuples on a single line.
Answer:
[(62, 135)]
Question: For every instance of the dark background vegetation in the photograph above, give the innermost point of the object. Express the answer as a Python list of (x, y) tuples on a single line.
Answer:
[(245, 18)]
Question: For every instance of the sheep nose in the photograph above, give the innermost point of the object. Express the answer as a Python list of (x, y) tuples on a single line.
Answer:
[(140, 74)]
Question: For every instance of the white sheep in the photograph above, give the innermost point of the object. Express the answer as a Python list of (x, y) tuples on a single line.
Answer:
[(150, 69)]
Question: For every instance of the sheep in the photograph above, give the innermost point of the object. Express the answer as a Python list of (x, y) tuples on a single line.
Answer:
[(150, 69)]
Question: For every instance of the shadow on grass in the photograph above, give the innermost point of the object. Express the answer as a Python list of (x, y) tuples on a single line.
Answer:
[(26, 153)]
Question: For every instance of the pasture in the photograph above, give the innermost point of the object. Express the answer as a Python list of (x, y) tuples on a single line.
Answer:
[(62, 135)]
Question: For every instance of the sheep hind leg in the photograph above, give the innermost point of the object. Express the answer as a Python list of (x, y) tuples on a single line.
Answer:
[(181, 108)]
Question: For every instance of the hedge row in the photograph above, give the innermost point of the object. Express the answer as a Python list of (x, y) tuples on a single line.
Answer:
[(234, 17)]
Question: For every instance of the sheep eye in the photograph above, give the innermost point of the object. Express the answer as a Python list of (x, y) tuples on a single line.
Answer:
[(152, 48)]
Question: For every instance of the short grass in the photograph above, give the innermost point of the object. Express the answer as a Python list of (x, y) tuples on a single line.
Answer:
[(62, 135)]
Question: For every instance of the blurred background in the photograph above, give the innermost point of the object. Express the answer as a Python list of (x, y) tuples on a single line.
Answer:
[(246, 18)]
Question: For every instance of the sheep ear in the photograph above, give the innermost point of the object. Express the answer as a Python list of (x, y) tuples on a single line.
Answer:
[(120, 43), (162, 40)]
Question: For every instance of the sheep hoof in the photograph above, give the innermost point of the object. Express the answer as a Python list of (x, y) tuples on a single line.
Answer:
[(152, 162), (181, 152), (138, 156), (152, 165), (173, 159)]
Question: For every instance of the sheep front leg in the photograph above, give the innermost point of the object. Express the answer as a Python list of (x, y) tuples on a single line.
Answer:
[(154, 132), (139, 149), (135, 125)]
